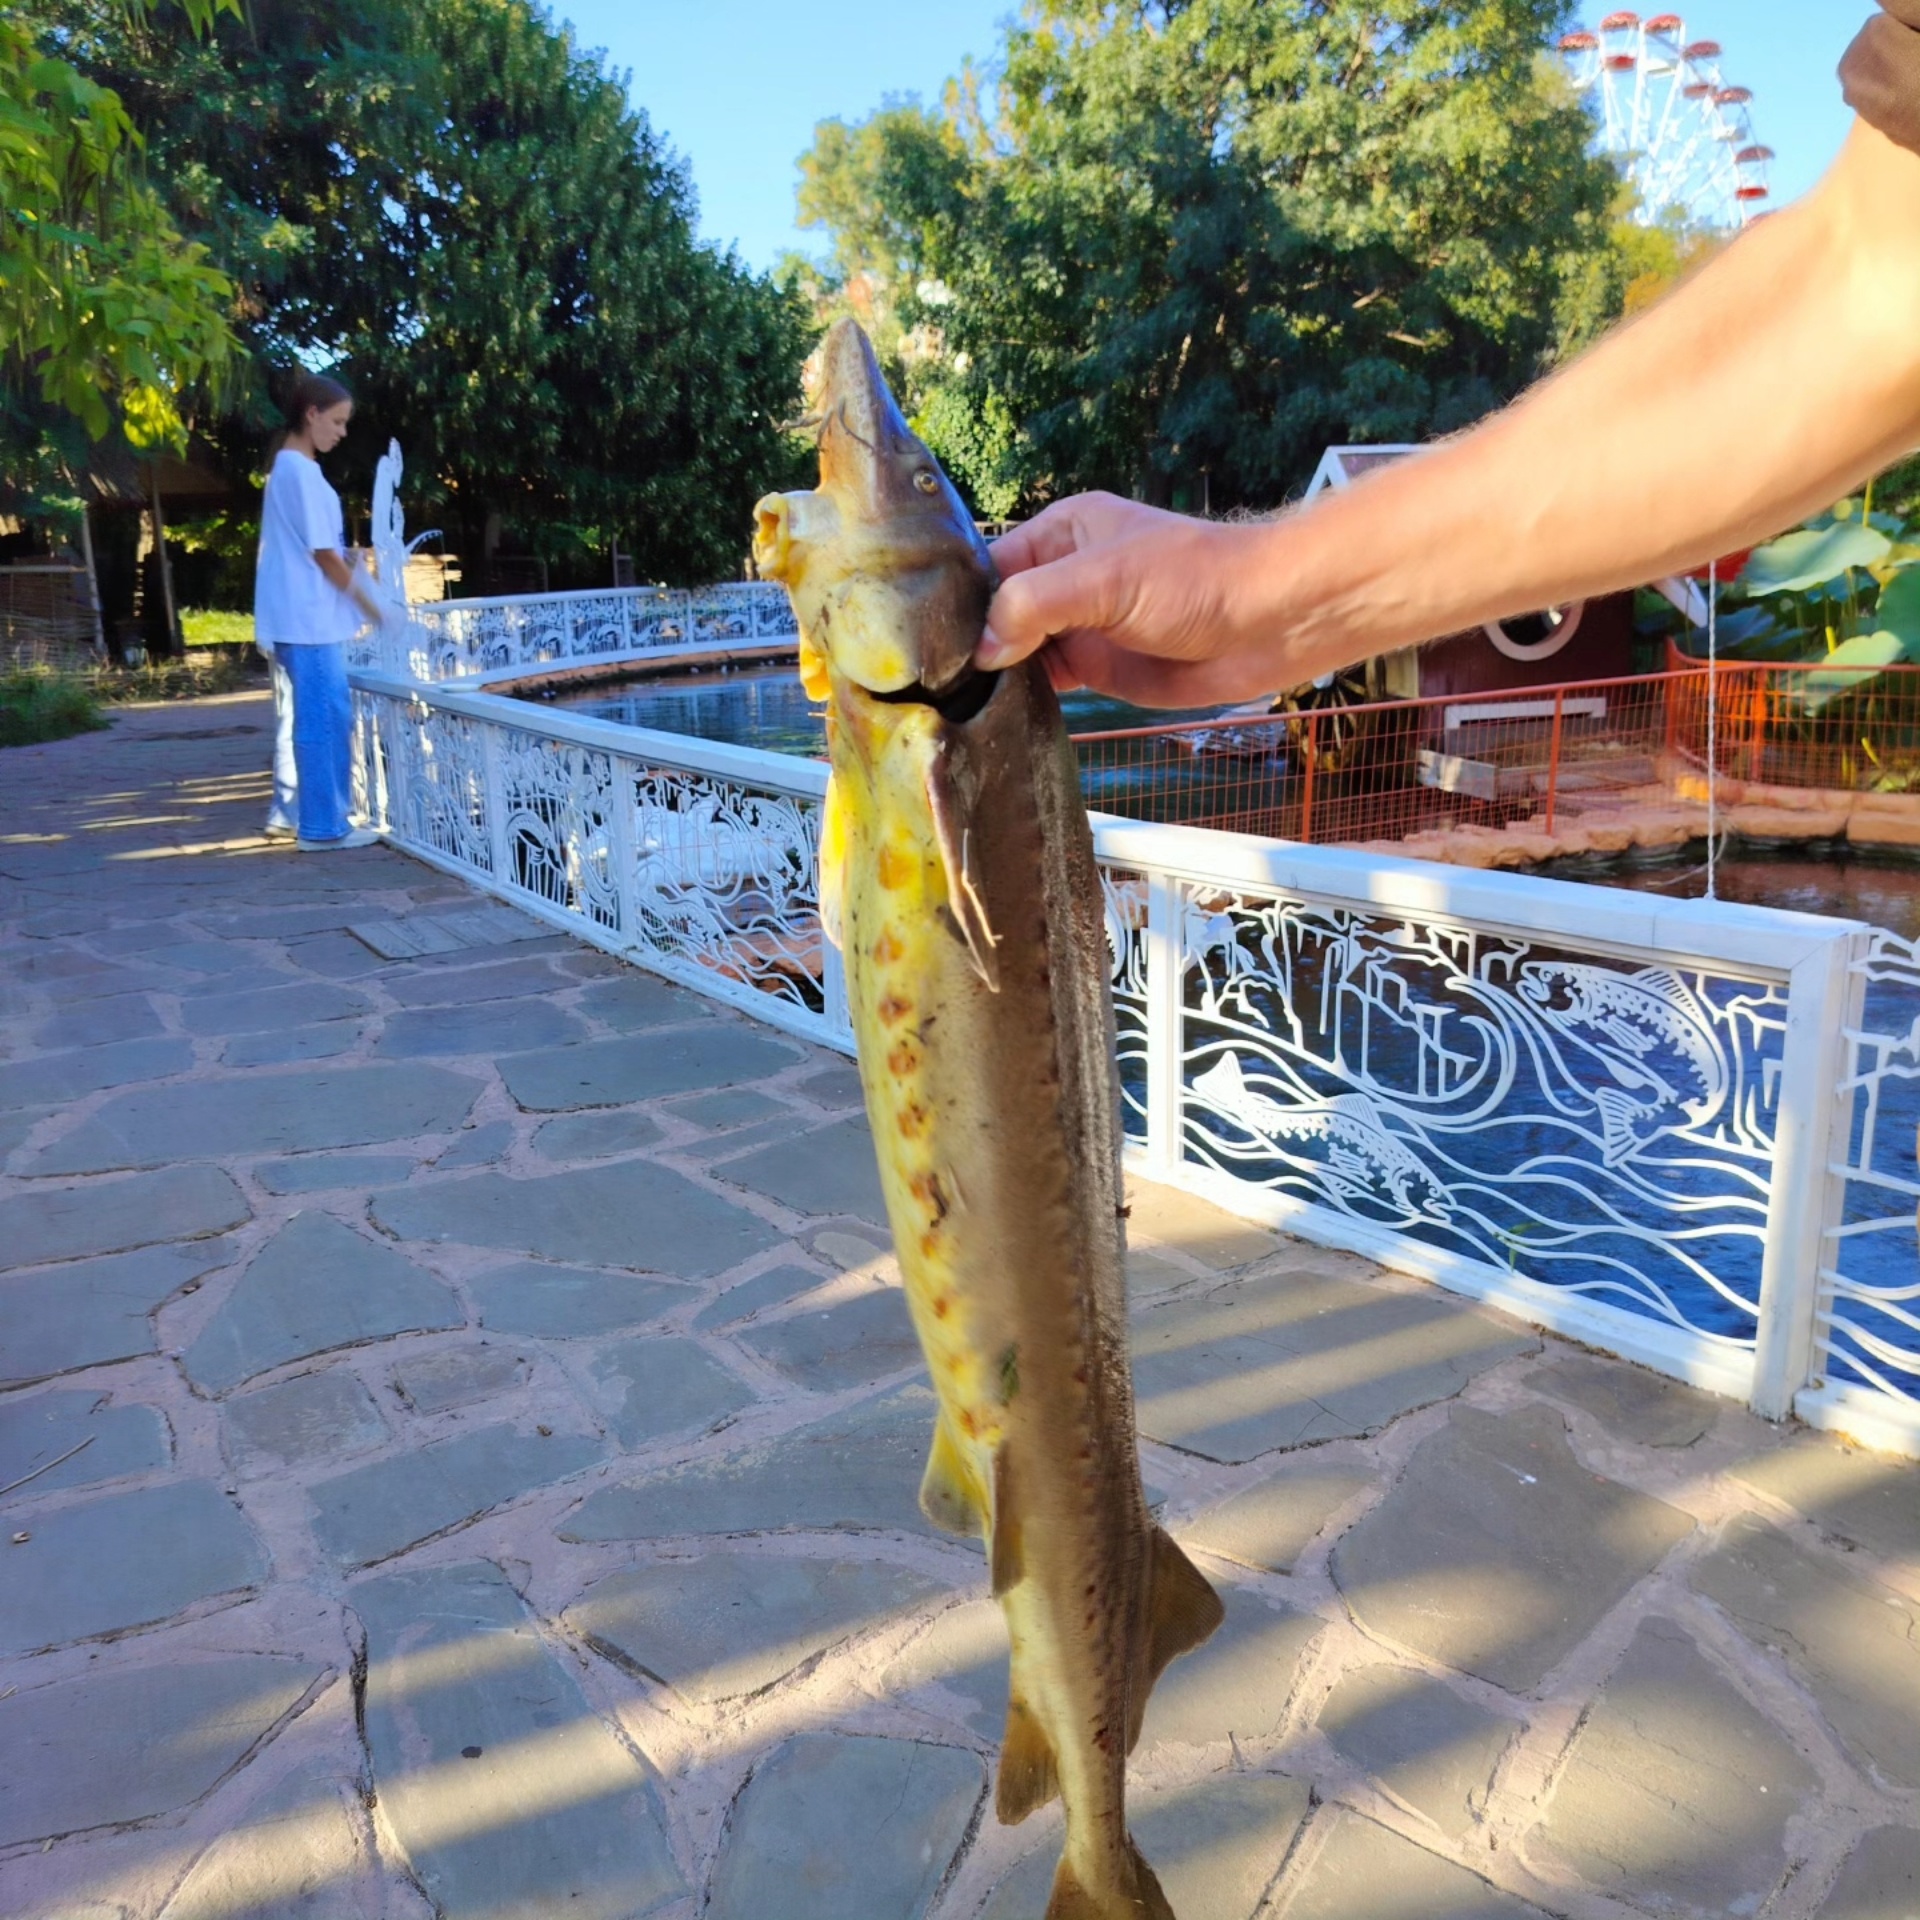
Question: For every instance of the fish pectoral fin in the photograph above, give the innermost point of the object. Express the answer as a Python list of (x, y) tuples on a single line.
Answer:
[(1143, 1900), (1183, 1611), (969, 911), (949, 1491), (1029, 1773), (833, 863), (1004, 1549), (1619, 1116), (814, 680)]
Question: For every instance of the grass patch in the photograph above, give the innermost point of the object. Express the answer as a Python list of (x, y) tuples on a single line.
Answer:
[(46, 706), (211, 627), (205, 670)]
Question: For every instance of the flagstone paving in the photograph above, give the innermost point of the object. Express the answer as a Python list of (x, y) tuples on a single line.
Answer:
[(459, 1444)]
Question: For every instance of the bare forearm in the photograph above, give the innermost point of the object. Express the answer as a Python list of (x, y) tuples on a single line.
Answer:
[(1782, 375), (345, 580)]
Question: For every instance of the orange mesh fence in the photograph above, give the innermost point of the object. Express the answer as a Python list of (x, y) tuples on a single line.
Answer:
[(1536, 756)]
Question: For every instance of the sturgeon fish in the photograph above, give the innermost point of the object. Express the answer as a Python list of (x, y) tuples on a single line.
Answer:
[(958, 880)]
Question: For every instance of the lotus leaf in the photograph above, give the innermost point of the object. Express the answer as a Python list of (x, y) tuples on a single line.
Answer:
[(1848, 668), (1900, 609), (1799, 562)]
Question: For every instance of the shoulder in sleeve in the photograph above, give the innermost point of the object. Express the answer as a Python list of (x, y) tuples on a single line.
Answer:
[(318, 512), (1880, 73)]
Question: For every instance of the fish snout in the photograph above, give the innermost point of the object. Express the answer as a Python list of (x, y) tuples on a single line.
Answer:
[(786, 527)]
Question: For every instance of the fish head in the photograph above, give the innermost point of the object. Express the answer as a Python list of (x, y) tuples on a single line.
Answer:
[(889, 577), (1539, 980)]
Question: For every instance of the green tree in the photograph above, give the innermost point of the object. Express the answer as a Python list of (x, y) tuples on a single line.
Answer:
[(107, 315), (533, 303), (1192, 241), (456, 209)]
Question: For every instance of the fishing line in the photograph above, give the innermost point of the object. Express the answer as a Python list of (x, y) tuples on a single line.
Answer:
[(1713, 703)]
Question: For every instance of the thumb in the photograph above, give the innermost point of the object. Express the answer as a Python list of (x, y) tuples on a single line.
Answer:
[(1081, 590)]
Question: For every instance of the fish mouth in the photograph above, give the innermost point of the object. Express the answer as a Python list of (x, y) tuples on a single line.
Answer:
[(957, 703)]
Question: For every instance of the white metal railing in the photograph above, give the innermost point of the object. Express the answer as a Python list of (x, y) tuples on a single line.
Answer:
[(515, 633), (1867, 1336), (691, 857), (1657, 1126)]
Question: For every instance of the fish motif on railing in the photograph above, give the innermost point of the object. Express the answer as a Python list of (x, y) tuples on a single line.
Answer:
[(1650, 1033), (1871, 1261), (1343, 1142), (1595, 1127)]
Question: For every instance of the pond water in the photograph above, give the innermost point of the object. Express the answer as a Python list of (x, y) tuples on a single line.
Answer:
[(767, 707), (1882, 889)]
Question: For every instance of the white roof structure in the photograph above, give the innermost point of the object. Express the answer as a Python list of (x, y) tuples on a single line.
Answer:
[(1340, 467)]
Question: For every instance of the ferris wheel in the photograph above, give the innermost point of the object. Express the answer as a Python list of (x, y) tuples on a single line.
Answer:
[(1667, 116)]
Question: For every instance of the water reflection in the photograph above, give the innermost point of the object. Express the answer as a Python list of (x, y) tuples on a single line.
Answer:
[(1883, 889), (766, 707)]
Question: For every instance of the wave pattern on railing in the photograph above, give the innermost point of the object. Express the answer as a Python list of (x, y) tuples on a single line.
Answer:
[(1582, 1122), (711, 880), (454, 639), (1871, 1275)]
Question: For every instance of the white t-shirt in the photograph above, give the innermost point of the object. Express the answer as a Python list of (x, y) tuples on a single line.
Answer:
[(294, 603)]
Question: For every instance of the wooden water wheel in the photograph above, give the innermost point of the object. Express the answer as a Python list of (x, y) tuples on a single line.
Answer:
[(1326, 727)]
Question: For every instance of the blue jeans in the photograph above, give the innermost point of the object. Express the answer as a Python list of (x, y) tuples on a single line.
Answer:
[(283, 811), (322, 737)]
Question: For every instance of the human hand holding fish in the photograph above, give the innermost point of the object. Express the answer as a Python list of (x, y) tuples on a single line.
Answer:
[(1147, 606)]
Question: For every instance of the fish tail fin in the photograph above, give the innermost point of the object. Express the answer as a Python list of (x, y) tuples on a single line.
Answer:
[(1029, 1774), (1143, 1899), (1619, 1113), (1183, 1610)]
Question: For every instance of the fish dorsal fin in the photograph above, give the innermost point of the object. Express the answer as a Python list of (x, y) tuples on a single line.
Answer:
[(1223, 1080), (963, 898), (1004, 1549), (1182, 1610), (1029, 1773), (1145, 1899), (833, 863), (949, 1489), (1667, 985)]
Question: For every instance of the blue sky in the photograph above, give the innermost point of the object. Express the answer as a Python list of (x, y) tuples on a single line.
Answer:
[(737, 85)]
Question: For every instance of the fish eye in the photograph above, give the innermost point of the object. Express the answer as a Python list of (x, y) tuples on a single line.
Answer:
[(925, 481)]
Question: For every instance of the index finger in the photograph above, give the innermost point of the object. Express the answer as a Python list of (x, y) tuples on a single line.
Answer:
[(1080, 589), (1051, 534)]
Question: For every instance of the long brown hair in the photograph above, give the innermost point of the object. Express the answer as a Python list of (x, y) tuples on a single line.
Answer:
[(306, 393)]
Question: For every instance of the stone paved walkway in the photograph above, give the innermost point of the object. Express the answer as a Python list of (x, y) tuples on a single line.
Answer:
[(459, 1431)]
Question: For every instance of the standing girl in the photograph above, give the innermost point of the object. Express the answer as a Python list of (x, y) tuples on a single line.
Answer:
[(308, 602)]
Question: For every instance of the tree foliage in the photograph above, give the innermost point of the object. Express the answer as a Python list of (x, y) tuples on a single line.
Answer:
[(1184, 244), (534, 304), (456, 210), (107, 314)]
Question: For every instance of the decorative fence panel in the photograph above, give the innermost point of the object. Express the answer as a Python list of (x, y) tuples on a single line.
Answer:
[(694, 859), (1869, 1327), (1569, 1101), (463, 639), (1680, 1130)]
